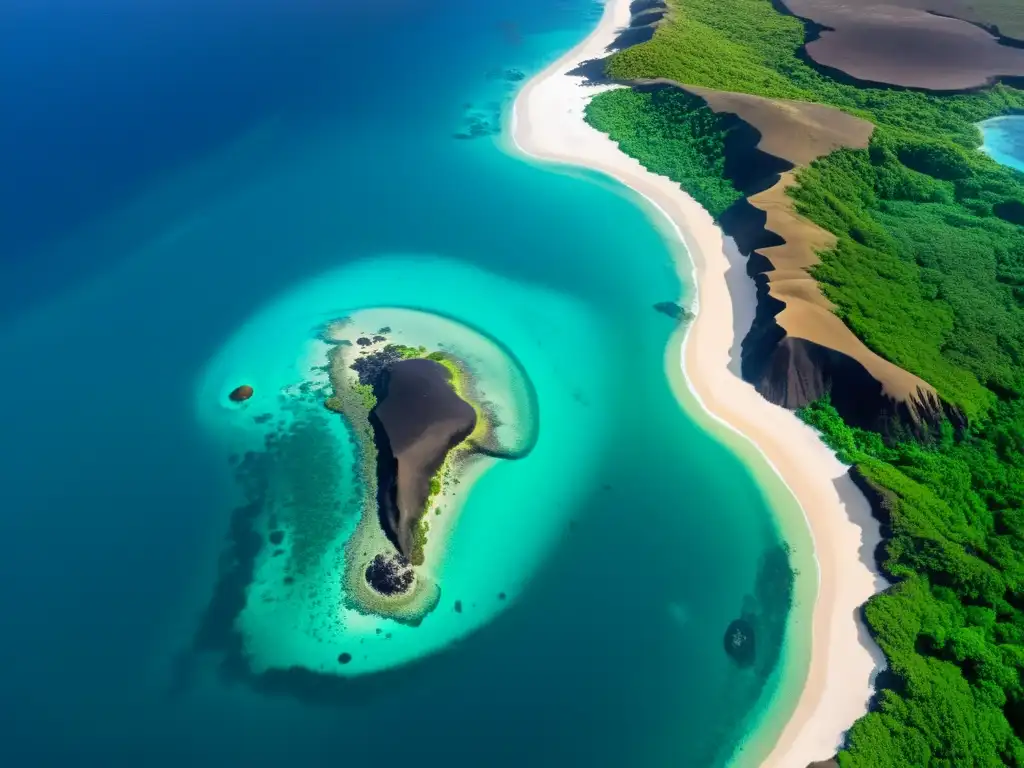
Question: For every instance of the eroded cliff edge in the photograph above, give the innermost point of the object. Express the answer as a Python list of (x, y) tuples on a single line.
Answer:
[(798, 349)]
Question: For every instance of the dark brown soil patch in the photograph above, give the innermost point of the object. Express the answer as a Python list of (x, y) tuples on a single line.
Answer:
[(899, 44)]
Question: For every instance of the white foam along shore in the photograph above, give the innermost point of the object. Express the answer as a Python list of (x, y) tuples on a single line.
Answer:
[(548, 124)]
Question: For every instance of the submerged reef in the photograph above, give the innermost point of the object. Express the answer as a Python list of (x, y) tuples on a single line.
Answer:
[(419, 423), (673, 310), (739, 642)]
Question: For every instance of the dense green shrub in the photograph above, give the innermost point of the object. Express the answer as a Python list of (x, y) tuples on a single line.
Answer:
[(673, 134)]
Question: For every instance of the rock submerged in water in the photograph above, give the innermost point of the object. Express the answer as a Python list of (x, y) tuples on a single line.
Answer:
[(241, 394), (739, 642)]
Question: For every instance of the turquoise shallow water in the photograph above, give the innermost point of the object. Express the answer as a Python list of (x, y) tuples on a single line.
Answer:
[(626, 542), (516, 514), (1004, 140)]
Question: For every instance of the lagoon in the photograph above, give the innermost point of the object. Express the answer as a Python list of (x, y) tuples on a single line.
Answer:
[(1004, 140)]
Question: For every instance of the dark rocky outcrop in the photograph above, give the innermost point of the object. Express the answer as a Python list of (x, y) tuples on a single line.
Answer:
[(793, 372), (241, 394), (390, 575), (370, 367), (418, 419)]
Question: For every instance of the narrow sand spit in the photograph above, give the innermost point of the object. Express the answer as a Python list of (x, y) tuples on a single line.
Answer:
[(548, 124)]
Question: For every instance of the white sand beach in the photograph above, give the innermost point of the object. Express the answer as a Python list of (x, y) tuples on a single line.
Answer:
[(548, 125)]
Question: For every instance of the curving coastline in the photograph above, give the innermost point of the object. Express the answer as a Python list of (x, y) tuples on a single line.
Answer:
[(548, 125)]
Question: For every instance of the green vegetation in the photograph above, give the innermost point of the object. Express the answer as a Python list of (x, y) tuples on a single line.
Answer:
[(929, 272), (923, 271), (419, 542), (952, 628), (405, 351), (673, 134), (366, 395)]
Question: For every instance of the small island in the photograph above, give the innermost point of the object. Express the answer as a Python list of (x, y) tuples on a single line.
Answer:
[(423, 430)]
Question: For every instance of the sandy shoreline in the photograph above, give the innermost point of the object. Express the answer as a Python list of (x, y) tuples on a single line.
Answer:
[(548, 124)]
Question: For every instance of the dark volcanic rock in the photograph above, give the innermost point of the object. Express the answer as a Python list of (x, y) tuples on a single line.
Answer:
[(739, 642), (241, 394), (370, 367), (390, 575), (418, 419), (276, 537), (345, 658)]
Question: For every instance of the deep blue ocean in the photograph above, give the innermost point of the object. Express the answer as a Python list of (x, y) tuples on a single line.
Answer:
[(170, 169)]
